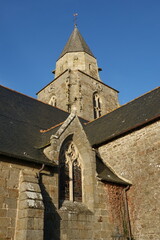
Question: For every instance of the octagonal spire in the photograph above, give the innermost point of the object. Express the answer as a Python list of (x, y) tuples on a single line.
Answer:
[(76, 43)]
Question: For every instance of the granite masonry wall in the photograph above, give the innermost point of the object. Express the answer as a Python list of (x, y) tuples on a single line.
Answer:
[(29, 207), (22, 207), (29, 202), (73, 92), (77, 60), (136, 157), (9, 191)]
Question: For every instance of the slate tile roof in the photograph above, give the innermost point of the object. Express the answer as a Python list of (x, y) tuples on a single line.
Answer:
[(76, 43), (21, 119), (105, 174), (27, 124), (124, 119)]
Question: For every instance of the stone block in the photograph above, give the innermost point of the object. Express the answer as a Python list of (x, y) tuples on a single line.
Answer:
[(13, 193), (13, 180), (5, 222), (3, 233), (97, 226), (11, 213), (31, 187), (31, 203), (4, 192), (4, 173), (30, 179), (30, 224), (30, 195), (20, 234), (10, 232), (3, 212), (22, 224), (34, 234), (2, 182), (31, 213), (13, 222), (38, 223), (11, 203), (2, 203)]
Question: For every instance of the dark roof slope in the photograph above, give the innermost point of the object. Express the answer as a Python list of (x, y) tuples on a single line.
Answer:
[(106, 174), (126, 118), (46, 135), (21, 119), (76, 43)]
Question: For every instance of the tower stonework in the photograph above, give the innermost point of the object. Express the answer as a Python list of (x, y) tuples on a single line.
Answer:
[(77, 86)]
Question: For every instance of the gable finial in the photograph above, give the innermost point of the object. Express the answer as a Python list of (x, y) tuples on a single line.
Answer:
[(75, 19)]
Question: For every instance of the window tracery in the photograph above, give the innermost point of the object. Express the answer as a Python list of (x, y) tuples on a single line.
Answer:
[(70, 182)]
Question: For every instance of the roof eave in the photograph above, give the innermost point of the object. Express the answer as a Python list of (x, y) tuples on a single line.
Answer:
[(28, 159), (127, 131)]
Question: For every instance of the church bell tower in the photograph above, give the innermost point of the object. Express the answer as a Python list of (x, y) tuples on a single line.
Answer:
[(77, 86)]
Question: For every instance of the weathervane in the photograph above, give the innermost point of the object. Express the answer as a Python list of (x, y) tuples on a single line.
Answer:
[(75, 19)]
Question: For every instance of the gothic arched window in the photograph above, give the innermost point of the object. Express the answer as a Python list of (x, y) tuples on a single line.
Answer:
[(53, 101), (96, 105), (70, 182)]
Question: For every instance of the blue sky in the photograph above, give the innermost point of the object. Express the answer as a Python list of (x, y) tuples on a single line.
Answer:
[(124, 35)]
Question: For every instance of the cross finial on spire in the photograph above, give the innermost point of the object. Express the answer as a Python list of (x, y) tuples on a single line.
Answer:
[(75, 19)]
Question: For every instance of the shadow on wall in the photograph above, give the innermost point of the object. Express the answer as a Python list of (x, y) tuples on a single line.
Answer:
[(51, 217)]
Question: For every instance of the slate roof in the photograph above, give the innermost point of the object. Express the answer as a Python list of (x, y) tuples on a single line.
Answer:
[(21, 119), (46, 135), (76, 43), (104, 173), (124, 119)]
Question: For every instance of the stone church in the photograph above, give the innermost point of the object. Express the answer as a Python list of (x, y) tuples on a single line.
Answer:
[(74, 163)]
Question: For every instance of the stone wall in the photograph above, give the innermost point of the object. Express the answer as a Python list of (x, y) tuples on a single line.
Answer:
[(29, 207), (9, 191), (22, 200), (77, 60), (58, 89), (74, 90), (78, 222), (136, 157), (107, 95), (29, 202), (89, 219), (102, 226)]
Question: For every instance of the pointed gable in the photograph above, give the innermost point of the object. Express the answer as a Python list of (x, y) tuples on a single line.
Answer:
[(76, 43)]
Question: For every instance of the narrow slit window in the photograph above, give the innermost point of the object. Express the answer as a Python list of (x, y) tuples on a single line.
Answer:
[(53, 101), (96, 105)]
